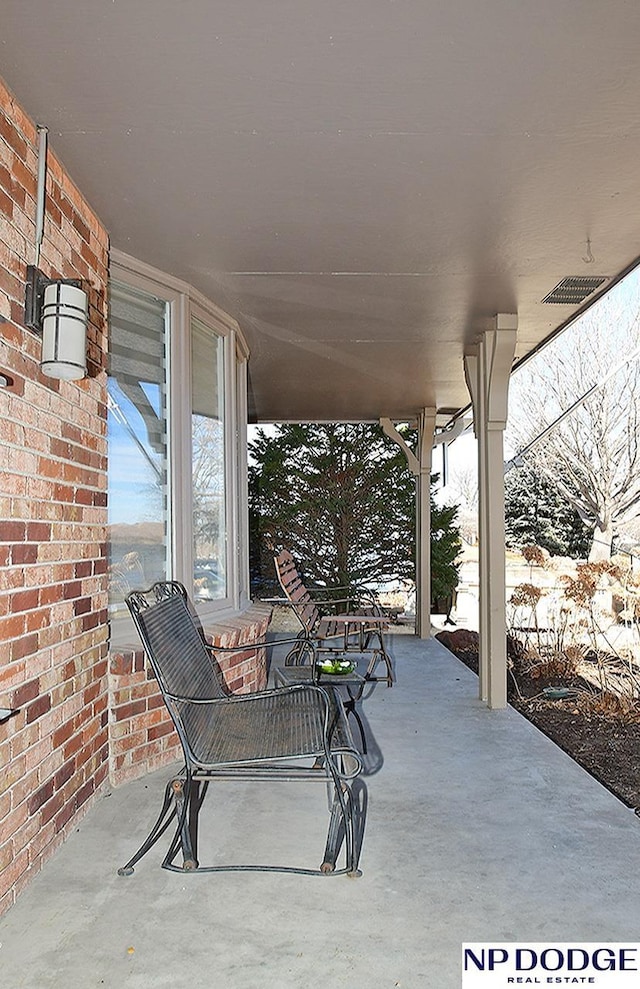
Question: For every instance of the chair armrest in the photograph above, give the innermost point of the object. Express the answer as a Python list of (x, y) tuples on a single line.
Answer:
[(364, 606), (348, 619), (258, 644), (252, 698), (353, 593)]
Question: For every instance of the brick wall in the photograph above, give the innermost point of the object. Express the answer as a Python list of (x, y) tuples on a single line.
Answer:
[(81, 713), (53, 618), (141, 732)]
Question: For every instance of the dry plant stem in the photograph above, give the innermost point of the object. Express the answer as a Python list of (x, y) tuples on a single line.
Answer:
[(577, 630), (515, 684)]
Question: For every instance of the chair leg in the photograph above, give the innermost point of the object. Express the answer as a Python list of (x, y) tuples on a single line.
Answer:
[(346, 802), (199, 791), (380, 656), (335, 834), (185, 793), (350, 708), (363, 737), (158, 829), (341, 827)]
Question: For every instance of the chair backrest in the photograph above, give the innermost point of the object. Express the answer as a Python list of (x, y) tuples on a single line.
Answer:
[(295, 591), (174, 643)]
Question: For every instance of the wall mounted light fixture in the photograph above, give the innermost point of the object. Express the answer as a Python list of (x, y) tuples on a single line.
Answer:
[(58, 308)]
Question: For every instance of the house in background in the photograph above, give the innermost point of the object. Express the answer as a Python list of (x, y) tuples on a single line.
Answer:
[(353, 212)]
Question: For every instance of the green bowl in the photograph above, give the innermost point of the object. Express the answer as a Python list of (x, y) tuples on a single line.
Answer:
[(338, 667)]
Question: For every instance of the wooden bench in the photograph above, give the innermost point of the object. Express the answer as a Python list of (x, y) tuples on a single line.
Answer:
[(351, 624)]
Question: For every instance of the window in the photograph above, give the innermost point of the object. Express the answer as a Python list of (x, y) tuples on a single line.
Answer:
[(139, 510), (208, 463), (176, 444)]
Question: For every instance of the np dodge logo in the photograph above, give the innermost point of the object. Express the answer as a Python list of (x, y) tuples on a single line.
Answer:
[(607, 966)]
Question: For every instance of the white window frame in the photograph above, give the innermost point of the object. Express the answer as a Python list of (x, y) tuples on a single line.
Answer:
[(185, 303)]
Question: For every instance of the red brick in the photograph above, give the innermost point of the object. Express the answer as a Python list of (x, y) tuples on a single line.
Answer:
[(48, 595), (25, 600), (51, 808), (101, 773), (83, 496), (6, 855), (24, 553), (6, 180), (41, 841), (54, 215), (127, 711), (85, 792), (24, 177), (64, 773), (5, 805), (59, 448), (157, 731), (20, 863), (100, 668), (27, 692), (65, 815), (26, 646), (38, 532), (91, 693), (6, 205), (62, 734), (39, 619), (81, 227), (12, 532), (63, 492), (13, 139), (11, 627), (72, 590), (73, 746), (38, 708), (41, 796)]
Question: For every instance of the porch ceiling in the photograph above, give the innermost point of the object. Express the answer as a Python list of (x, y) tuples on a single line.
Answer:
[(363, 185)]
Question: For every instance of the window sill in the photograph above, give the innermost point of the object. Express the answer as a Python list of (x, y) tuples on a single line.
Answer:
[(229, 629)]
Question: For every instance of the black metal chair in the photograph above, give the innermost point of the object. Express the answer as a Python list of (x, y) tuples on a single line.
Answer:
[(291, 733)]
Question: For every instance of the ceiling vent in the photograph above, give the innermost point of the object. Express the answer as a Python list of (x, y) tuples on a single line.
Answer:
[(573, 290)]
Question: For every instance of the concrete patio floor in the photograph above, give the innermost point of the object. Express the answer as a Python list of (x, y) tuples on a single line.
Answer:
[(479, 829)]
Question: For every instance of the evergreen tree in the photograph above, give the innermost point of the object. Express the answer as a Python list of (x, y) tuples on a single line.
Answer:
[(445, 549), (536, 512), (342, 498)]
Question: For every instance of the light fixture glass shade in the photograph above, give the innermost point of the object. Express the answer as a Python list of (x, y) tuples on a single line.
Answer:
[(64, 332)]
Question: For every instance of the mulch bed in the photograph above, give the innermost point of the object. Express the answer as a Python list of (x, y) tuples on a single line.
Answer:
[(607, 747)]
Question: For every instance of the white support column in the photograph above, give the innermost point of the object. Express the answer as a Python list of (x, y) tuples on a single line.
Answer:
[(426, 430), (420, 467), (488, 372), (473, 371)]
